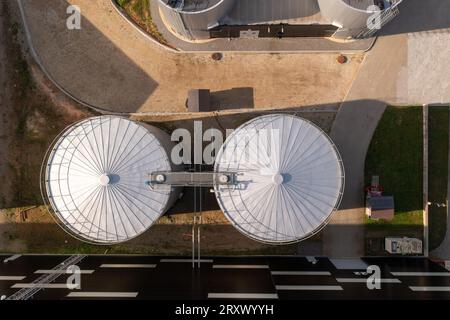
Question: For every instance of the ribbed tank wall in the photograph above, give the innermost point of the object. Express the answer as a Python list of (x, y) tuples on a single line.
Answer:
[(173, 20), (194, 25), (351, 21), (165, 141)]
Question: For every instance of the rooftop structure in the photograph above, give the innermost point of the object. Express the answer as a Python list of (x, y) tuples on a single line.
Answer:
[(381, 207), (289, 179), (94, 178)]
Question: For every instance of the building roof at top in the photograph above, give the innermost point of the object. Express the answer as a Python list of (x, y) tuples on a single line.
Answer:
[(381, 203), (274, 11)]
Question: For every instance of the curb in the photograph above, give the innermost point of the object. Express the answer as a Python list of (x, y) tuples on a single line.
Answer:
[(425, 181)]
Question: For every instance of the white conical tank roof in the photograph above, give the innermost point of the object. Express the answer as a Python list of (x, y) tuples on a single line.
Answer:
[(290, 178), (95, 179)]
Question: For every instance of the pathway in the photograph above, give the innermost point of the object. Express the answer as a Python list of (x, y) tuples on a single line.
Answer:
[(443, 251)]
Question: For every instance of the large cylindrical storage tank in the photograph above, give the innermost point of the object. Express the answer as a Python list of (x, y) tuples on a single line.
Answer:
[(289, 179), (351, 16), (95, 178), (191, 19)]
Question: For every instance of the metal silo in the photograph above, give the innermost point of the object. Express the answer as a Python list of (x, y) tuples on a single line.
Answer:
[(289, 179), (94, 178), (352, 16), (192, 19)]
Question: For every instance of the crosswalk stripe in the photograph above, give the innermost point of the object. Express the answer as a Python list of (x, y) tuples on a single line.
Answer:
[(242, 296), (308, 288)]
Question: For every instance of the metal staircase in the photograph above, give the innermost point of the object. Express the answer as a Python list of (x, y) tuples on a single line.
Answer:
[(386, 17)]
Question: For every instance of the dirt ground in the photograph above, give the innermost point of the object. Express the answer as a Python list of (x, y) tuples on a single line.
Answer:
[(32, 113), (5, 115), (134, 75)]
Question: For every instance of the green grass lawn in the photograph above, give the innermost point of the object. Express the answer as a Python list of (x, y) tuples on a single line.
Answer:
[(438, 140), (396, 155)]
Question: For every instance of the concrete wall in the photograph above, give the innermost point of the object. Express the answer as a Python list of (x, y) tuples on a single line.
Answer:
[(194, 25), (350, 20)]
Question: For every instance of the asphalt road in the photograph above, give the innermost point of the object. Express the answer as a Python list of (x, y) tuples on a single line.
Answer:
[(148, 277)]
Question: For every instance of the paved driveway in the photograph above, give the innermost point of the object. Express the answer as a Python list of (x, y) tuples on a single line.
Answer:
[(443, 251), (408, 65), (352, 132)]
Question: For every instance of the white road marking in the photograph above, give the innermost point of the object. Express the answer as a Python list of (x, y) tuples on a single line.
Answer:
[(186, 260), (102, 294), (312, 260), (364, 280), (136, 266), (12, 258), (62, 271), (349, 264), (242, 296), (41, 285), (440, 289), (240, 266), (421, 274), (309, 288), (301, 273), (11, 278)]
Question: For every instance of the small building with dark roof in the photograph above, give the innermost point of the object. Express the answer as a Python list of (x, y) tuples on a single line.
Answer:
[(380, 207)]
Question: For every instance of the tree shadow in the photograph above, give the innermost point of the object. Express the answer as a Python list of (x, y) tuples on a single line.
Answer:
[(96, 72)]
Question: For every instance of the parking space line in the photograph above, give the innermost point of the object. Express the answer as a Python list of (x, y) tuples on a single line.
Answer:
[(11, 278), (311, 259), (40, 285), (102, 295), (12, 258), (301, 273), (430, 289), (240, 266), (309, 288), (125, 266), (421, 274), (185, 260), (364, 280), (61, 271), (242, 296), (349, 264)]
